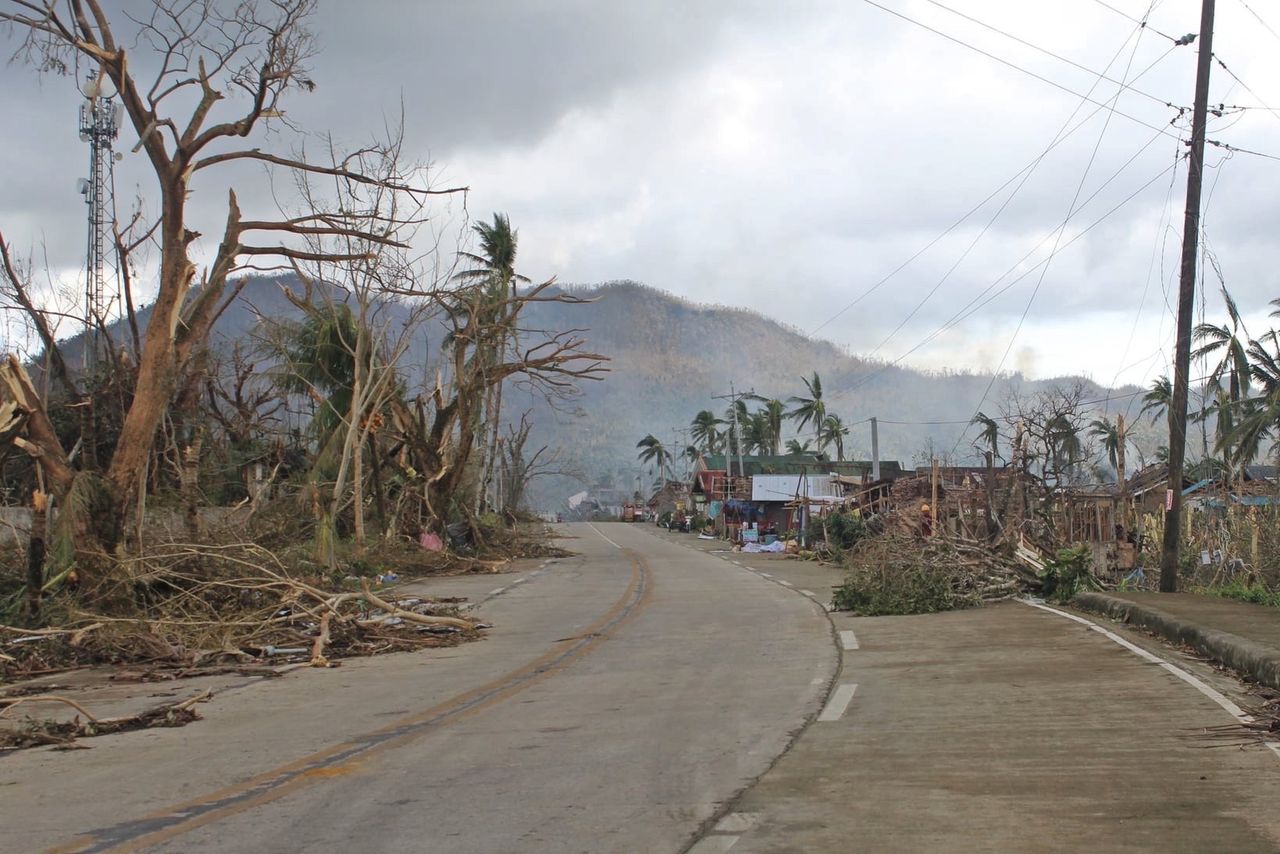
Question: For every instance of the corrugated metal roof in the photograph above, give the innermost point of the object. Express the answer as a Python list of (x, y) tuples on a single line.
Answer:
[(766, 487)]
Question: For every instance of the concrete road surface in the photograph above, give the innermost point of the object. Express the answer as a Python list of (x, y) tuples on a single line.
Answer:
[(660, 694), (624, 696)]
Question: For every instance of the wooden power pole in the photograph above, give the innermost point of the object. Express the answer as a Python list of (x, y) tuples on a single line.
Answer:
[(1186, 299)]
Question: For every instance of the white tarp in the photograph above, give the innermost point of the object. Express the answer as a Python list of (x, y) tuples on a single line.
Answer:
[(785, 487)]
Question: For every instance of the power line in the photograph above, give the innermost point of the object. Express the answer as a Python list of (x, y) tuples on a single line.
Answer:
[(970, 309), (1057, 240), (1259, 19), (1021, 183), (1012, 65), (1101, 76), (1031, 165), (1141, 23), (1166, 212)]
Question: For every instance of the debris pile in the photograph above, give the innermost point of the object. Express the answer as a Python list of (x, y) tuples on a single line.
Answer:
[(213, 606), (896, 572), (38, 732)]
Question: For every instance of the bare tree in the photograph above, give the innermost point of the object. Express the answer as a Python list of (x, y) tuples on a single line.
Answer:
[(204, 52), (550, 363), (517, 468), (368, 278)]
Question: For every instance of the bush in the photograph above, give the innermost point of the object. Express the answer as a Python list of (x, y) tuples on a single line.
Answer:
[(1067, 573), (874, 588), (843, 531), (1257, 594)]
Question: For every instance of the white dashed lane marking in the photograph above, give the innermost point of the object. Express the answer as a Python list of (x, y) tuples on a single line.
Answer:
[(838, 703), (713, 845), (848, 640), (737, 822)]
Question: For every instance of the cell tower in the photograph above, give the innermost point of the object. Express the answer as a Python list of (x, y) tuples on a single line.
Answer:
[(99, 126)]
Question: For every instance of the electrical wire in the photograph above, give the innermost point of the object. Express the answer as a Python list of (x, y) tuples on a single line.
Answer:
[(1142, 24), (1164, 102), (1071, 209), (1166, 213), (970, 308), (1016, 189), (1259, 19), (1031, 165), (1012, 65)]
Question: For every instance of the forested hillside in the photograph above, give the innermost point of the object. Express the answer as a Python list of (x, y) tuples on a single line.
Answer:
[(670, 357)]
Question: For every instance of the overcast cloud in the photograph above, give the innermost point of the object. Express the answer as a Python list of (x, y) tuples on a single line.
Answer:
[(785, 157)]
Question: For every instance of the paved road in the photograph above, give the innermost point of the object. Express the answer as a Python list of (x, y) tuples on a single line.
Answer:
[(642, 697), (1007, 729), (623, 698)]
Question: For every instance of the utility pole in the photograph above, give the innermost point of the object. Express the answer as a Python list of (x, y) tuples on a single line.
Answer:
[(875, 449), (991, 503), (1122, 482), (933, 506), (732, 397), (1186, 300)]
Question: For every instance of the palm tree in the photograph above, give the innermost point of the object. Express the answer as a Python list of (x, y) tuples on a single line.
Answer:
[(990, 432), (494, 273), (1260, 418), (495, 266), (1158, 399), (320, 357), (833, 432), (736, 413), (794, 446), (1234, 359), (1109, 433), (705, 430), (1064, 444), (652, 450), (755, 433), (811, 409), (774, 412), (1233, 362)]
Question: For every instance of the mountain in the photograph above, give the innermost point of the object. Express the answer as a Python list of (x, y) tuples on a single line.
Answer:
[(670, 358)]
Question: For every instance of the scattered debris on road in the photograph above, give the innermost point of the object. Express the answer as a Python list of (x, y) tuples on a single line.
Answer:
[(41, 732)]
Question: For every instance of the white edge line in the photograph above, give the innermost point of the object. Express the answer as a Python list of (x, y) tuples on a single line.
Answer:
[(835, 708), (714, 844), (520, 581), (766, 575), (848, 640), (810, 594), (785, 583), (496, 592), (1204, 688), (602, 536)]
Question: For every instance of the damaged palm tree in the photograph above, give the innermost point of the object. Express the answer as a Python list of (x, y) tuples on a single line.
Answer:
[(436, 431), (204, 55)]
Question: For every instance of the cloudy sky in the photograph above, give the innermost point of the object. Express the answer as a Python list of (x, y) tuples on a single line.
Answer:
[(789, 156)]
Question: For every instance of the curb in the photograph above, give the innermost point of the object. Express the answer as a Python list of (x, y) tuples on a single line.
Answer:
[(1253, 660)]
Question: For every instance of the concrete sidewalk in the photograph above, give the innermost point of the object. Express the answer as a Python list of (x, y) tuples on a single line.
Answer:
[(1243, 636), (1004, 728)]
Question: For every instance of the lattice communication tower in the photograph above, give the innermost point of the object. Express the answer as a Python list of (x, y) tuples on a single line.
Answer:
[(99, 126)]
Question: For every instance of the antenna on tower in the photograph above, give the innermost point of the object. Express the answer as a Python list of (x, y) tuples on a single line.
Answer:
[(99, 126)]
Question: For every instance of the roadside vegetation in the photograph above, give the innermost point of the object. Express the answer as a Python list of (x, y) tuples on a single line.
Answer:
[(198, 502)]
